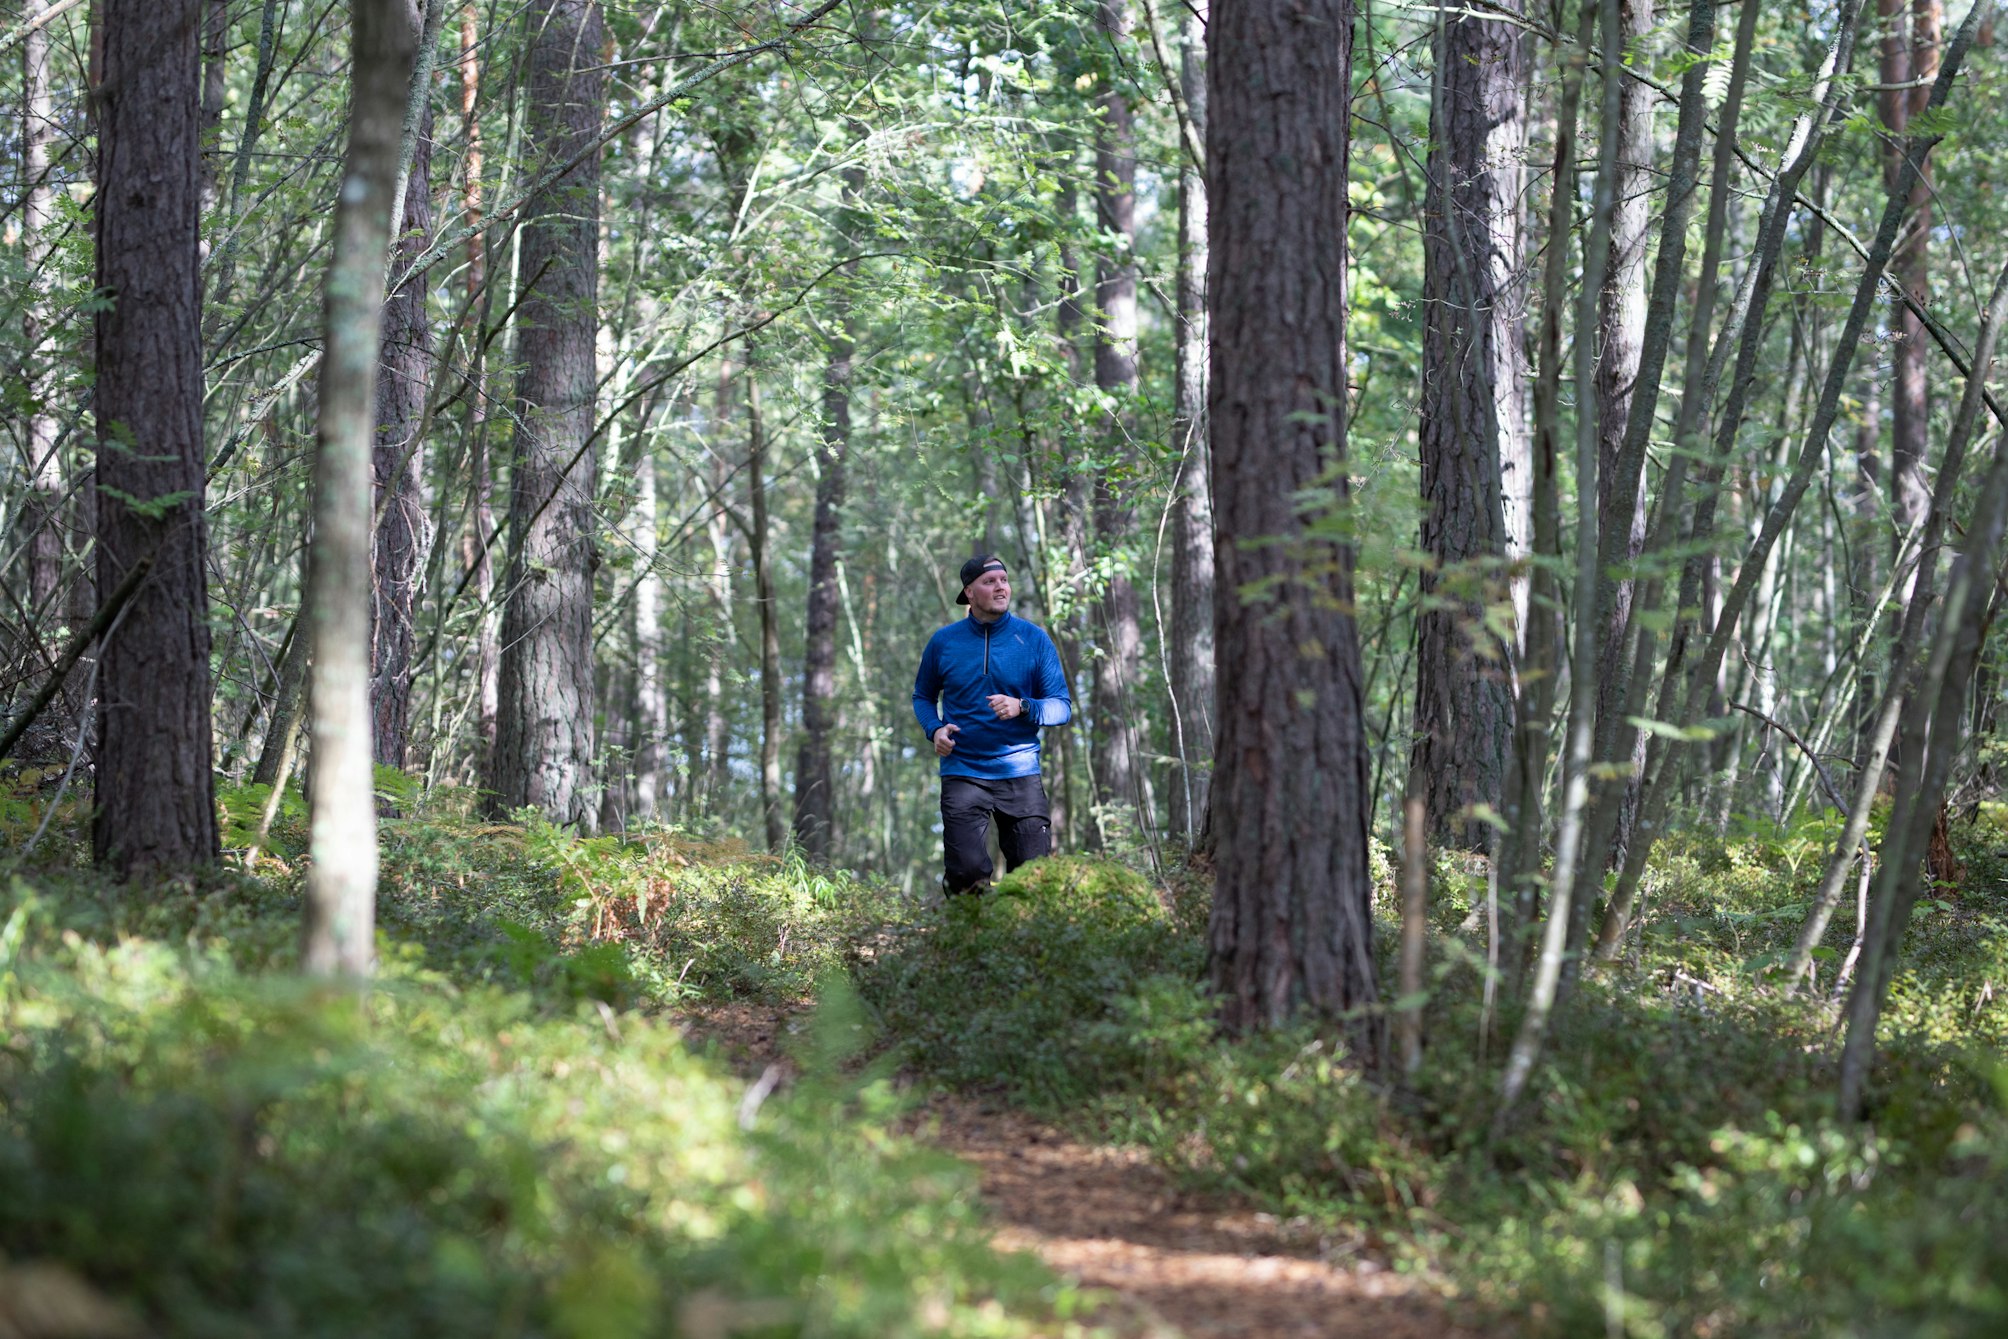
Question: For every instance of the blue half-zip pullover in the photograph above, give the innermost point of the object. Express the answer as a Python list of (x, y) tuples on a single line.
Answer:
[(964, 664)]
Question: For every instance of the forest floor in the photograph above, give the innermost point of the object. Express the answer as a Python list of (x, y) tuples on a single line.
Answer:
[(1171, 1264)]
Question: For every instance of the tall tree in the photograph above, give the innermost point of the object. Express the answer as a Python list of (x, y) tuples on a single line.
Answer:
[(1119, 776), (1291, 930), (1192, 681), (1471, 423), (156, 799), (1621, 317), (544, 731), (815, 797), (402, 533), (339, 934), (39, 520)]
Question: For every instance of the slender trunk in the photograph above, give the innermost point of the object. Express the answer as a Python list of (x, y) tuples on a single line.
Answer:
[(1628, 655), (1463, 728), (760, 541), (717, 721), (1541, 994), (1291, 930), (1120, 781), (39, 519), (544, 732), (1621, 335), (403, 535), (1534, 707), (1705, 671), (479, 554), (339, 937), (155, 790), (815, 798), (1935, 720), (1192, 682), (651, 763), (282, 730), (1827, 896)]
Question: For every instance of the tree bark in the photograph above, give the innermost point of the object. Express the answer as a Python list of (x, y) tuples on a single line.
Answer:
[(651, 693), (1542, 990), (155, 790), (1192, 651), (1291, 932), (544, 729), (39, 518), (760, 541), (339, 937), (1471, 407), (403, 535), (815, 800), (1118, 737), (1909, 56), (1621, 319)]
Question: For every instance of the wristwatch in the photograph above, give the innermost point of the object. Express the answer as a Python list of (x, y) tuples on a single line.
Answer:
[(1024, 707)]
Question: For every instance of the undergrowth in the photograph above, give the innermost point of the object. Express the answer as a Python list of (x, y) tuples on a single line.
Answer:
[(506, 1135), (1679, 1172)]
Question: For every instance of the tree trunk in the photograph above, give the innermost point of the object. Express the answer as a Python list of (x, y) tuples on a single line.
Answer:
[(1909, 56), (480, 553), (340, 935), (1621, 318), (1542, 990), (403, 535), (39, 523), (155, 791), (760, 541), (651, 694), (1463, 728), (1291, 931), (1118, 736), (1192, 682), (544, 731), (815, 800)]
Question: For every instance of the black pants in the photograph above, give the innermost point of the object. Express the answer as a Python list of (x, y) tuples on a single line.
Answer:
[(1024, 827)]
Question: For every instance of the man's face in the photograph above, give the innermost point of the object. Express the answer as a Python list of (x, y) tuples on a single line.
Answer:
[(991, 592)]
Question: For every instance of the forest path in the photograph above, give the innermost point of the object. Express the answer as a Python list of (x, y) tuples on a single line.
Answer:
[(1177, 1266)]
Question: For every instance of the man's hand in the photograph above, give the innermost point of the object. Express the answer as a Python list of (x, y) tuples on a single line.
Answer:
[(1006, 707), (944, 739)]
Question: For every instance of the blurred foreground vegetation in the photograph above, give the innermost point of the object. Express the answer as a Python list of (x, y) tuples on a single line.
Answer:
[(509, 1133)]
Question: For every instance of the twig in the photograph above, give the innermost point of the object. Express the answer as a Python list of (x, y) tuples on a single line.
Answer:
[(107, 612)]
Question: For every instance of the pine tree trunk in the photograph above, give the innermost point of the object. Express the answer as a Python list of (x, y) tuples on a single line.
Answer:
[(1621, 320), (155, 790), (760, 540), (339, 937), (1192, 683), (651, 693), (39, 518), (1291, 931), (403, 535), (815, 800), (544, 730), (1472, 375), (1118, 735)]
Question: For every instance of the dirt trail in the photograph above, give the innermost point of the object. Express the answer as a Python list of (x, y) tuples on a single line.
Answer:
[(1177, 1265)]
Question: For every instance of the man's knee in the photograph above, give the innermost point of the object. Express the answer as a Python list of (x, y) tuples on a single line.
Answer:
[(1027, 838)]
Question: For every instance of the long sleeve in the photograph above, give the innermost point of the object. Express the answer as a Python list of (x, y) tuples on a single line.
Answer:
[(927, 690), (1054, 705)]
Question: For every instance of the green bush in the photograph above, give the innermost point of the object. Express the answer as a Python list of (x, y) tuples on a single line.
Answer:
[(1006, 988), (232, 1151)]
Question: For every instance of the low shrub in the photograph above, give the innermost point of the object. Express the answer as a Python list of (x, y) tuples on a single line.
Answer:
[(1006, 989), (229, 1150)]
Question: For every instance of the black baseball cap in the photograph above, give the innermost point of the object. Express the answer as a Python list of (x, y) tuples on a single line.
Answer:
[(974, 568)]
